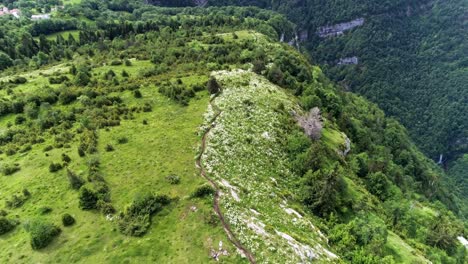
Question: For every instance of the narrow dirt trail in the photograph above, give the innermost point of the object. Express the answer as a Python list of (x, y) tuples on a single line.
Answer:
[(226, 227)]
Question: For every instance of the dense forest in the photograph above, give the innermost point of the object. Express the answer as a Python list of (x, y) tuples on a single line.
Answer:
[(412, 61), (357, 176)]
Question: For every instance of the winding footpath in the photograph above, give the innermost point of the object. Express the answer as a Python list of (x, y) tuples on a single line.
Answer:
[(217, 195)]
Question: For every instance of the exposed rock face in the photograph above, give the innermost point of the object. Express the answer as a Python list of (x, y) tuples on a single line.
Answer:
[(312, 123), (338, 29), (200, 3), (463, 241), (349, 61), (303, 35), (346, 147)]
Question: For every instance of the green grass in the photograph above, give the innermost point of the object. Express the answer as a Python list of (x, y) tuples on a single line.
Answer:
[(71, 2), (35, 79), (64, 34), (333, 138), (244, 155), (402, 252), (167, 145)]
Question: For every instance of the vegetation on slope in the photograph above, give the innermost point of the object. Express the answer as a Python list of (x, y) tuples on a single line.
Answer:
[(246, 158), (115, 115), (412, 62)]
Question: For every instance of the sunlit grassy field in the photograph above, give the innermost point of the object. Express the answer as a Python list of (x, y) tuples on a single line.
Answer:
[(166, 145)]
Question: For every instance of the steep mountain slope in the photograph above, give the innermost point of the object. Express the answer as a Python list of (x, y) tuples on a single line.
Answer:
[(107, 131), (245, 157), (412, 60)]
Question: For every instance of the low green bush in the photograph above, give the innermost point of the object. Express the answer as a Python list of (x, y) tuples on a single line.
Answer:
[(136, 219), (137, 94), (44, 210), (65, 158), (105, 207), (122, 140), (116, 62), (9, 169), (203, 190), (88, 198), (54, 167), (42, 233), (109, 148), (6, 225), (147, 108), (58, 79), (18, 80), (75, 181), (16, 201), (68, 220), (173, 179)]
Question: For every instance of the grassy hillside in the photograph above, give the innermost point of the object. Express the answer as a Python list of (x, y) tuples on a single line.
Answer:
[(165, 146), (245, 157), (109, 130)]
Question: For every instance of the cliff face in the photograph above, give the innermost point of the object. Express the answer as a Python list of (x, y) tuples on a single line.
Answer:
[(338, 29)]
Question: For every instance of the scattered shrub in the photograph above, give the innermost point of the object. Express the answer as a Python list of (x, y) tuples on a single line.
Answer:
[(128, 62), (122, 140), (116, 62), (9, 169), (48, 148), (54, 167), (25, 149), (26, 193), (58, 79), (109, 75), (173, 179), (211, 218), (136, 219), (20, 119), (109, 148), (42, 233), (6, 225), (10, 151), (258, 66), (198, 87), (147, 108), (137, 94), (18, 80), (88, 198), (16, 201), (81, 151), (125, 74), (44, 210), (65, 158), (75, 181), (68, 220), (213, 86), (203, 190), (31, 110), (105, 207), (67, 96), (145, 122), (177, 92)]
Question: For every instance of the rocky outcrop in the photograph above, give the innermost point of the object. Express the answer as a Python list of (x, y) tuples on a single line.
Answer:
[(339, 29), (200, 3), (349, 61)]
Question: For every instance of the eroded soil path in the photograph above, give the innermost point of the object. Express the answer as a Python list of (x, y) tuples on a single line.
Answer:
[(217, 195)]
